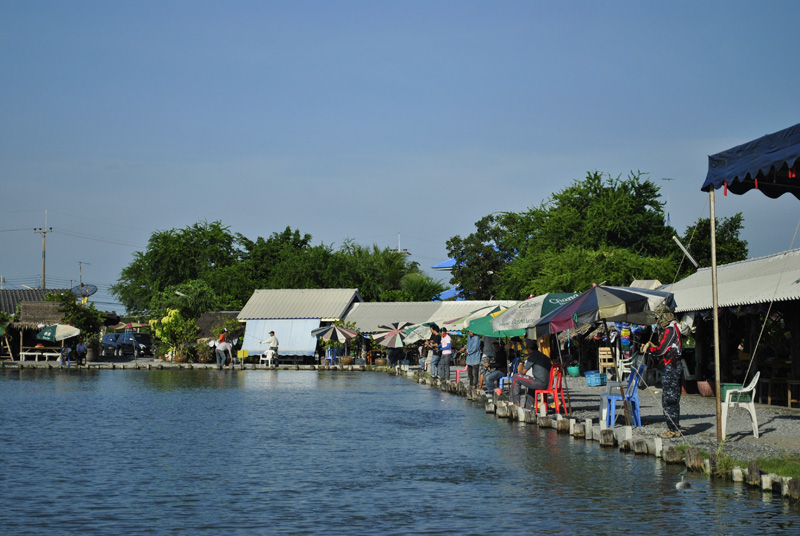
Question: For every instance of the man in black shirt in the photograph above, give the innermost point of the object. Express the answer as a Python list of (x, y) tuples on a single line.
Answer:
[(434, 350), (496, 369)]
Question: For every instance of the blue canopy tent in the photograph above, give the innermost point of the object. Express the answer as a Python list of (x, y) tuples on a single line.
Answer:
[(768, 164)]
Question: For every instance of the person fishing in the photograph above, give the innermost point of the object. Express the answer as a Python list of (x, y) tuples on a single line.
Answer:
[(668, 356)]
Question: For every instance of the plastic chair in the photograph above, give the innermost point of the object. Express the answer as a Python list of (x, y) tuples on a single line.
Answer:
[(330, 356), (744, 392), (459, 371), (625, 365), (609, 400), (511, 372), (270, 356), (556, 388)]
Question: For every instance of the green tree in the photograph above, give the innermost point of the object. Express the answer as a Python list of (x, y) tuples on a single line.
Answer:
[(421, 287), (206, 267), (173, 257), (482, 256), (84, 317), (176, 331), (730, 247), (598, 229), (191, 298)]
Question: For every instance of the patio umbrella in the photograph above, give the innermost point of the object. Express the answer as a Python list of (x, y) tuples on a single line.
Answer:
[(606, 304), (527, 312), (58, 332), (464, 321), (418, 332), (611, 304), (484, 326), (334, 333), (130, 325), (392, 335)]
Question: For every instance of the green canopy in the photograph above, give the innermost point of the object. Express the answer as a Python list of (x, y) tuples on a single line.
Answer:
[(483, 326)]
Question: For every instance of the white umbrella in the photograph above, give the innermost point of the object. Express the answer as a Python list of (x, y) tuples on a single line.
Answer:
[(58, 332), (526, 313)]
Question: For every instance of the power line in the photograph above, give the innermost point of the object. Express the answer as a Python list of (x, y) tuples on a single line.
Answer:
[(85, 236)]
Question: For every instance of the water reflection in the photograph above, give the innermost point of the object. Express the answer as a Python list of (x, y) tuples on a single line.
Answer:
[(304, 452)]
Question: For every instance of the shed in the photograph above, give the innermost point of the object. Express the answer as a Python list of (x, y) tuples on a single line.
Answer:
[(292, 314)]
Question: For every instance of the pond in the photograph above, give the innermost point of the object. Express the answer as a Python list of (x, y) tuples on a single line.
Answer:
[(303, 452)]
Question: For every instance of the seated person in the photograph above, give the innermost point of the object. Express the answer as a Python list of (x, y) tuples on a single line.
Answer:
[(496, 369), (395, 356), (534, 373), (66, 352)]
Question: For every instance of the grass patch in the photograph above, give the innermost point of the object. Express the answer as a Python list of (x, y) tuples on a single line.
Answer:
[(784, 465), (683, 446)]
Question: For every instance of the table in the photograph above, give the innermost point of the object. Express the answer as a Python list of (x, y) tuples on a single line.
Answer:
[(36, 354), (779, 383)]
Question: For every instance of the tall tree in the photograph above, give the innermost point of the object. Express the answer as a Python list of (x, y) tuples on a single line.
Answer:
[(574, 238), (215, 269), (730, 247)]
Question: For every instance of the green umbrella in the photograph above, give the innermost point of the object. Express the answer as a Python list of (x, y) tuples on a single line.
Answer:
[(483, 326), (58, 332)]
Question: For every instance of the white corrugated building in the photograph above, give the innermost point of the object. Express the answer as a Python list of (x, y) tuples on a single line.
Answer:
[(369, 315), (292, 314), (749, 282)]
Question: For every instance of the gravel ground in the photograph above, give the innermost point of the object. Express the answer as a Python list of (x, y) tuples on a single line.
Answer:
[(778, 426)]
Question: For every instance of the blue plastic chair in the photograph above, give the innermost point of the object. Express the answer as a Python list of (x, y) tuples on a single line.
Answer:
[(330, 356), (511, 372), (631, 397)]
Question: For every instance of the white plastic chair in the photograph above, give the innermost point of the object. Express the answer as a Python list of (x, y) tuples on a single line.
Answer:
[(749, 406), (267, 357)]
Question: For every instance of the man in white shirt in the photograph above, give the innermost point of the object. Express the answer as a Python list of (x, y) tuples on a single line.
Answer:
[(447, 352), (272, 348)]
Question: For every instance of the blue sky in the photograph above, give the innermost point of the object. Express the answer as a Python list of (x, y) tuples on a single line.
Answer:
[(363, 120)]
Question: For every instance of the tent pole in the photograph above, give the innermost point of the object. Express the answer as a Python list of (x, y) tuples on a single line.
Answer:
[(619, 379), (715, 310), (563, 371)]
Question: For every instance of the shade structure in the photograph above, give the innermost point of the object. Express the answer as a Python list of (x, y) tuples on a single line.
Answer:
[(463, 321), (483, 326), (527, 312), (130, 325), (418, 332), (610, 304), (334, 333), (58, 332), (392, 335), (768, 164)]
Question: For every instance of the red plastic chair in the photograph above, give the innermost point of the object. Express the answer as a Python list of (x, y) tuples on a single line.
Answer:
[(555, 390)]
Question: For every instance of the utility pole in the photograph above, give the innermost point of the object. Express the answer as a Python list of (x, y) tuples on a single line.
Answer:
[(80, 270), (44, 230), (401, 251)]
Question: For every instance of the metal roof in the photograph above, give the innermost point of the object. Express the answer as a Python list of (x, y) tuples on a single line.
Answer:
[(325, 303), (368, 316), (753, 281), (9, 298)]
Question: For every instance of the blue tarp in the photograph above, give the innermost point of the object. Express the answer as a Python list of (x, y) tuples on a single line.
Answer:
[(769, 164), (445, 266), (448, 294)]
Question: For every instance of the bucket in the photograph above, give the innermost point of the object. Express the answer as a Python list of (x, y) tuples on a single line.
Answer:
[(574, 371)]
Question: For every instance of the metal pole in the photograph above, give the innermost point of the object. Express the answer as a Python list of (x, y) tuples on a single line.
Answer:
[(715, 311), (44, 230)]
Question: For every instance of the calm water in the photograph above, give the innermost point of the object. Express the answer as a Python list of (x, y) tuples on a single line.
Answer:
[(295, 452)]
